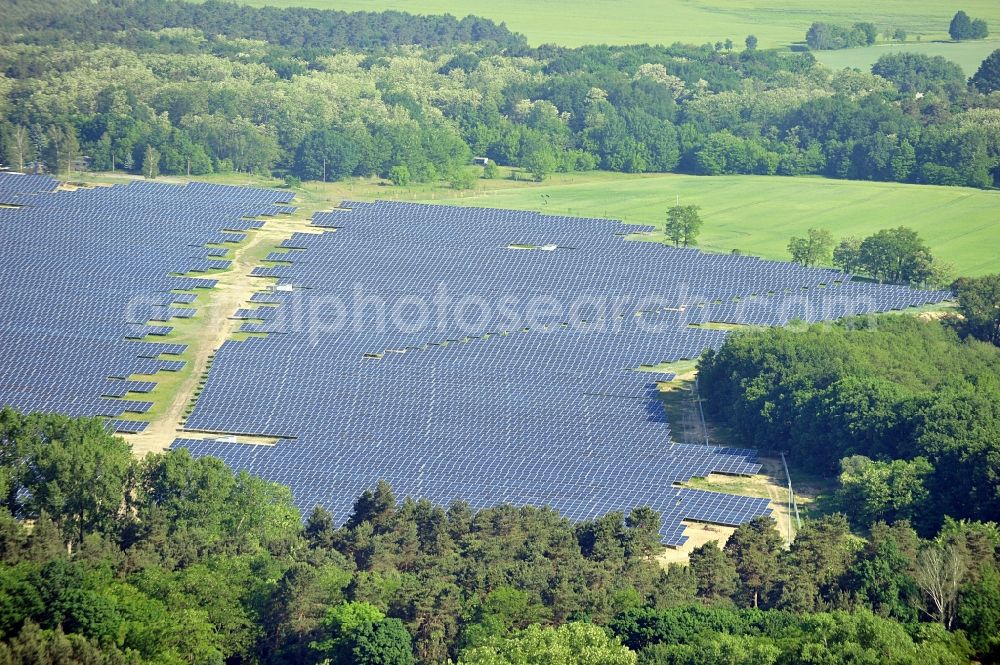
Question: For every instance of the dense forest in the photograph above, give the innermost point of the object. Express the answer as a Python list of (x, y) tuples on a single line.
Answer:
[(903, 410), (170, 559), (128, 22), (216, 87)]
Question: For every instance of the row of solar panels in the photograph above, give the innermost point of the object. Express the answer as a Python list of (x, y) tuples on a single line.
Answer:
[(86, 271), (547, 416)]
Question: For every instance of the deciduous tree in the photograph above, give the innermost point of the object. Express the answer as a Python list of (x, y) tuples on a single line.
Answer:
[(847, 255), (875, 490), (539, 161), (578, 643), (358, 633), (814, 249), (19, 147), (151, 162), (960, 26), (939, 574), (964, 27), (979, 303), (979, 611), (987, 77), (399, 175), (683, 225), (897, 256), (74, 472)]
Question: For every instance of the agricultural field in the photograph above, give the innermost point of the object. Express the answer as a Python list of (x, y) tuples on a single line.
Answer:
[(655, 21), (968, 55)]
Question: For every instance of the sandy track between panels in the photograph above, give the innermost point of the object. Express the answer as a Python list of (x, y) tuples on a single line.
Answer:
[(769, 483), (233, 290)]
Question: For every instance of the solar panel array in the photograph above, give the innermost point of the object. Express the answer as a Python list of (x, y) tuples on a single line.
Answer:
[(518, 385), (18, 189), (426, 345), (84, 274)]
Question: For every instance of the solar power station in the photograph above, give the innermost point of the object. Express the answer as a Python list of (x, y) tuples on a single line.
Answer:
[(491, 355), (478, 354), (85, 274)]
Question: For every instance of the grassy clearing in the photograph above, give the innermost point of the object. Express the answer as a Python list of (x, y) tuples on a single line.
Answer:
[(244, 336), (741, 485), (681, 368), (758, 214), (969, 55), (194, 331), (175, 397), (257, 253), (680, 402), (721, 326), (185, 331), (774, 22)]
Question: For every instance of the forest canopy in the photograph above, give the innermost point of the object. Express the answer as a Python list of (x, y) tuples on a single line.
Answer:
[(905, 412), (219, 87), (172, 559)]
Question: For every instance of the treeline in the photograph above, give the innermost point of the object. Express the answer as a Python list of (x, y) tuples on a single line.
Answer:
[(827, 36), (169, 559), (129, 22), (206, 102), (896, 256), (907, 413)]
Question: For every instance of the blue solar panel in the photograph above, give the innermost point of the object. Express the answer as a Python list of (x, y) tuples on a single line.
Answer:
[(18, 189), (490, 410), (77, 293), (117, 426), (485, 404)]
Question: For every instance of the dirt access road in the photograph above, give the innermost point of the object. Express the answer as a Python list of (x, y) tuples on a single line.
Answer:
[(233, 291)]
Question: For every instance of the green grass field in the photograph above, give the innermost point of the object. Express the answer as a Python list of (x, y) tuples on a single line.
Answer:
[(969, 55), (774, 22)]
